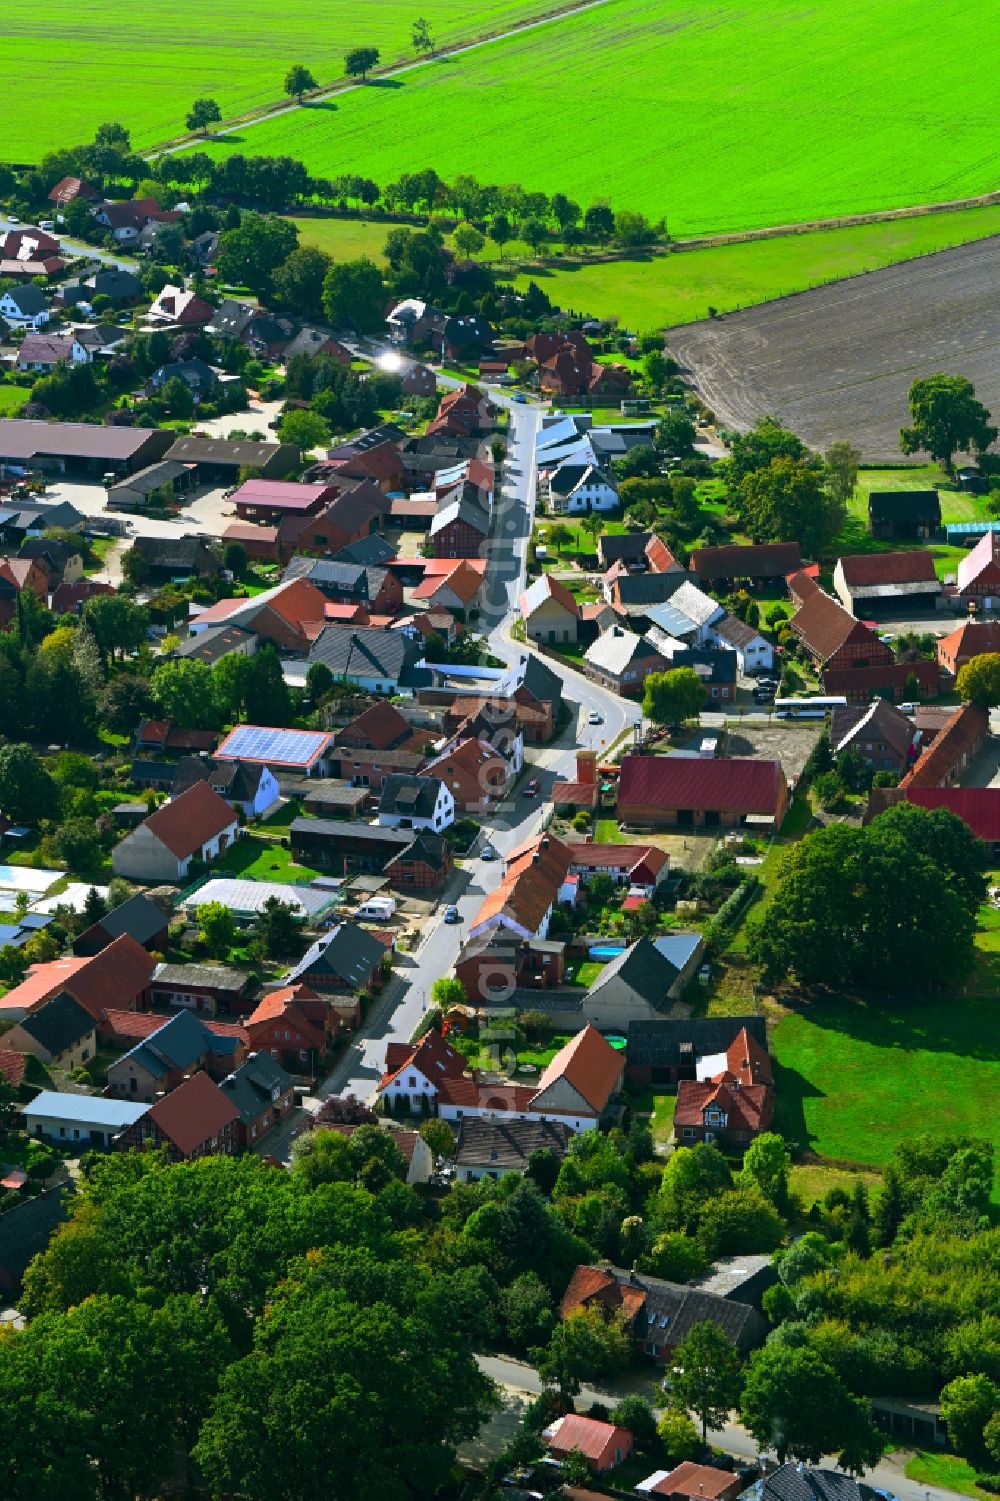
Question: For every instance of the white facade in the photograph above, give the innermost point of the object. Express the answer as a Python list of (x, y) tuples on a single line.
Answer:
[(593, 493), (571, 1122), (442, 816), (12, 314), (266, 798)]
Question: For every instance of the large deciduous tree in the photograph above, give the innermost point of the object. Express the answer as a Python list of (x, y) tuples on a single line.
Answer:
[(979, 680), (705, 1377), (298, 81), (788, 499), (672, 697), (354, 295), (253, 251), (945, 417), (794, 1403), (27, 791)]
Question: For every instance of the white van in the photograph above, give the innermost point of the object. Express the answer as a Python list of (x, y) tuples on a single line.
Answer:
[(378, 909)]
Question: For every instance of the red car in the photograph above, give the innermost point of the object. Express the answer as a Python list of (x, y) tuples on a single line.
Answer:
[(532, 789)]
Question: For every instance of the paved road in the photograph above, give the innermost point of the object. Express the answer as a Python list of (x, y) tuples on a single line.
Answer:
[(74, 248), (515, 1376)]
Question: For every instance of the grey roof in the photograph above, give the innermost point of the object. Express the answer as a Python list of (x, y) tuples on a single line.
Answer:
[(202, 976), (876, 721), (365, 583), (426, 846), (736, 631), (26, 1229), (145, 481), (508, 1144), (140, 918), (617, 649), (180, 1043), (711, 666), (372, 550), (629, 547), (115, 282), (673, 1310), (59, 1023), (672, 1042), (465, 509), (670, 619), (364, 652), (340, 828), (408, 795), (648, 588), (248, 897), (346, 953), (190, 553), (237, 781), (679, 948), (212, 645), (23, 437), (330, 791), (85, 1109), (103, 336), (794, 1483), (256, 1084), (197, 372), (197, 449), (644, 968), (231, 318), (28, 298), (538, 679)]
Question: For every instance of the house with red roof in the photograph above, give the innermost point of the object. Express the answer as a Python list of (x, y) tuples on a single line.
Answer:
[(475, 772), (197, 825), (550, 611), (266, 502), (529, 889), (693, 1482), (853, 661), (952, 750), (289, 615), (603, 1445), (972, 639), (722, 568), (873, 581), (294, 1025), (196, 1119), (466, 411), (119, 976), (457, 588), (978, 575), (575, 1089), (731, 1100), (682, 792)]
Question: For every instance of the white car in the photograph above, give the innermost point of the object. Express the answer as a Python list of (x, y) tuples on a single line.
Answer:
[(595, 717)]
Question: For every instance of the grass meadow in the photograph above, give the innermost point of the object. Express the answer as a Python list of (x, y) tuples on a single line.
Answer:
[(69, 66), (653, 291), (711, 113)]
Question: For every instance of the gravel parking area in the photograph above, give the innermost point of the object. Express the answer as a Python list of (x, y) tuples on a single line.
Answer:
[(789, 744), (838, 362)]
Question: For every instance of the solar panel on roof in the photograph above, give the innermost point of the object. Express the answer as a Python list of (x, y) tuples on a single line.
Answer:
[(258, 743)]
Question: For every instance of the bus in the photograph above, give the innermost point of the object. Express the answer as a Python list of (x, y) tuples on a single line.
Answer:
[(806, 708)]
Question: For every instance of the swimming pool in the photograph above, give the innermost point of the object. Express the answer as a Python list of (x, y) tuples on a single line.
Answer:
[(606, 951)]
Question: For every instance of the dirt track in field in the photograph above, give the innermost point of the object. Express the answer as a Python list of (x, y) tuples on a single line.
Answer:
[(838, 362)]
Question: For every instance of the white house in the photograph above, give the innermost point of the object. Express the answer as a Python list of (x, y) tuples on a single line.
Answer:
[(24, 307), (79, 1119), (753, 651), (577, 487), (198, 825), (45, 352), (251, 787), (574, 1090), (408, 801)]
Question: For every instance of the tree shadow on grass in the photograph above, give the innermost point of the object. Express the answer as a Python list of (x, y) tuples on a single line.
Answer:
[(327, 104), (791, 1090), (961, 1024), (384, 83)]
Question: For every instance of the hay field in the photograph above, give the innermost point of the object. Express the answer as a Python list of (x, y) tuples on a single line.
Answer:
[(714, 113), (69, 64)]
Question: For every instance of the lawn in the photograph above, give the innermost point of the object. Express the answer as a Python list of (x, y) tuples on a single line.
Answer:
[(847, 1073), (948, 1471), (346, 239), (811, 1180), (663, 1117), (12, 398), (235, 51), (754, 115), (955, 506), (606, 831), (654, 291), (262, 860)]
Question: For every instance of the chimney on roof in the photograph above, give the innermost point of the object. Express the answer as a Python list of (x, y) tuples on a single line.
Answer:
[(545, 844), (536, 857)]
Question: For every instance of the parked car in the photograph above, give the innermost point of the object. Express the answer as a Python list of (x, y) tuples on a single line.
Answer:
[(533, 788), (452, 914), (488, 852)]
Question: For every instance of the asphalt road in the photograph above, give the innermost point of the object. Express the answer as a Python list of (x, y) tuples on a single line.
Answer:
[(516, 1377)]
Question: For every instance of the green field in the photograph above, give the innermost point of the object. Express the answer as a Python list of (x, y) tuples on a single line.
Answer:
[(955, 506), (12, 399), (654, 291), (712, 113), (853, 1079), (69, 66)]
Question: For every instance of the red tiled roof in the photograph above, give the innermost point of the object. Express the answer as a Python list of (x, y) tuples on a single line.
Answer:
[(971, 639), (476, 1094), (748, 1108), (739, 784), (41, 982), (435, 1058), (587, 1284), (381, 724), (187, 822), (691, 1481), (528, 887), (139, 1024), (280, 494), (119, 973), (747, 1060), (462, 580), (979, 807), (889, 568), (590, 1064), (622, 856), (968, 724), (580, 794), (823, 624), (592, 1437), (193, 1112), (12, 1066)]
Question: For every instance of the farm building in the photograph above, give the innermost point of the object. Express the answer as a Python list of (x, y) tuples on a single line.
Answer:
[(761, 563), (854, 662), (969, 640), (904, 515), (302, 751), (877, 581), (979, 573), (682, 792), (79, 447)]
